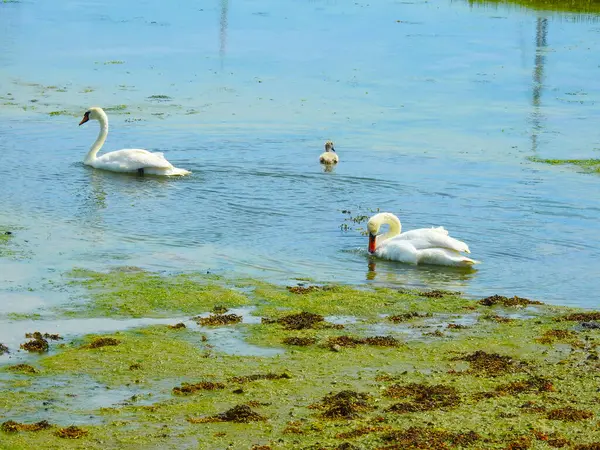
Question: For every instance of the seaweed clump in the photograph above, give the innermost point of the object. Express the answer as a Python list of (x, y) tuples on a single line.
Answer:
[(556, 335), (307, 289), (532, 385), (343, 405), (437, 293), (301, 321), (522, 443), (260, 376), (187, 388), (300, 341), (219, 319), (238, 414), (11, 426), (24, 368), (407, 316), (3, 349), (101, 342), (177, 326), (425, 397), (335, 343), (498, 318), (71, 432), (555, 440), (382, 341), (569, 414), (37, 344), (581, 317), (495, 300), (590, 446), (38, 335), (429, 438), (491, 364)]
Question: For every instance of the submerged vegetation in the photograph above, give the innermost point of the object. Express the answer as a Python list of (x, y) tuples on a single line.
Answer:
[(393, 380), (589, 165)]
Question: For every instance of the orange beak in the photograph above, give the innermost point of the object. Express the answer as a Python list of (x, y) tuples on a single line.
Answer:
[(86, 117), (372, 242)]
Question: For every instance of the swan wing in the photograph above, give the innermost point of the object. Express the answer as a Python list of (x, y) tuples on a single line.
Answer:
[(398, 250), (132, 159), (428, 238)]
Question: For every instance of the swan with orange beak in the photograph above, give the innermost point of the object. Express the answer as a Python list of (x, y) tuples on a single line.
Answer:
[(420, 246)]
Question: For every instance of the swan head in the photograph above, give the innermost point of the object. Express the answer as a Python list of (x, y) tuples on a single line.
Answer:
[(93, 113), (329, 146), (374, 226)]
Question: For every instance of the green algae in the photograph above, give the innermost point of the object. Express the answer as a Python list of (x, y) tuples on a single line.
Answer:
[(59, 113), (492, 383), (591, 165), (570, 6), (350, 301), (8, 248), (128, 292), (116, 108)]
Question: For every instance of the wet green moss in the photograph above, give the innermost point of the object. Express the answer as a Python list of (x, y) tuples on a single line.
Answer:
[(346, 300), (60, 113), (588, 165), (115, 108), (575, 6), (136, 293), (424, 393), (7, 249)]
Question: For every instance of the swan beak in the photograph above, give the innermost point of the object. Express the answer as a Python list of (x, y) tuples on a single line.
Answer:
[(86, 117), (372, 242), (333, 149)]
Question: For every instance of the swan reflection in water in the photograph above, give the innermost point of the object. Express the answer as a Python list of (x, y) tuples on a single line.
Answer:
[(392, 273)]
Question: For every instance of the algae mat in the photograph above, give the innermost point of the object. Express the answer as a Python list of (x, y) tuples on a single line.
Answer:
[(351, 368)]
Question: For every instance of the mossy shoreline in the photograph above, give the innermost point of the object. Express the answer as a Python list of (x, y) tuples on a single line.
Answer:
[(356, 367)]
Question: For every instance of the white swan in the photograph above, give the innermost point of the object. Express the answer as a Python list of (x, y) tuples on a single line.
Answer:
[(128, 160), (421, 246), (329, 156)]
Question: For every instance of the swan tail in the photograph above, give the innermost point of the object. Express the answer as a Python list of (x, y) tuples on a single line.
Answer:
[(176, 172), (470, 262)]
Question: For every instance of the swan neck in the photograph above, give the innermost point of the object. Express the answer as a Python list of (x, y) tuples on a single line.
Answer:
[(97, 145), (394, 230)]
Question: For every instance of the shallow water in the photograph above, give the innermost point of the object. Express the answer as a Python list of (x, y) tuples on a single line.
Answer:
[(434, 108), (223, 339)]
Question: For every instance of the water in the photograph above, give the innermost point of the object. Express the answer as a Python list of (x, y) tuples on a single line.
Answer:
[(434, 108)]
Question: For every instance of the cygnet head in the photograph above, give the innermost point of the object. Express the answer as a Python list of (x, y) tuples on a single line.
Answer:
[(93, 113), (329, 146)]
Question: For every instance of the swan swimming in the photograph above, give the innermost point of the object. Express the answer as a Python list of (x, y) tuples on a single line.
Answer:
[(421, 246), (329, 156), (127, 160)]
